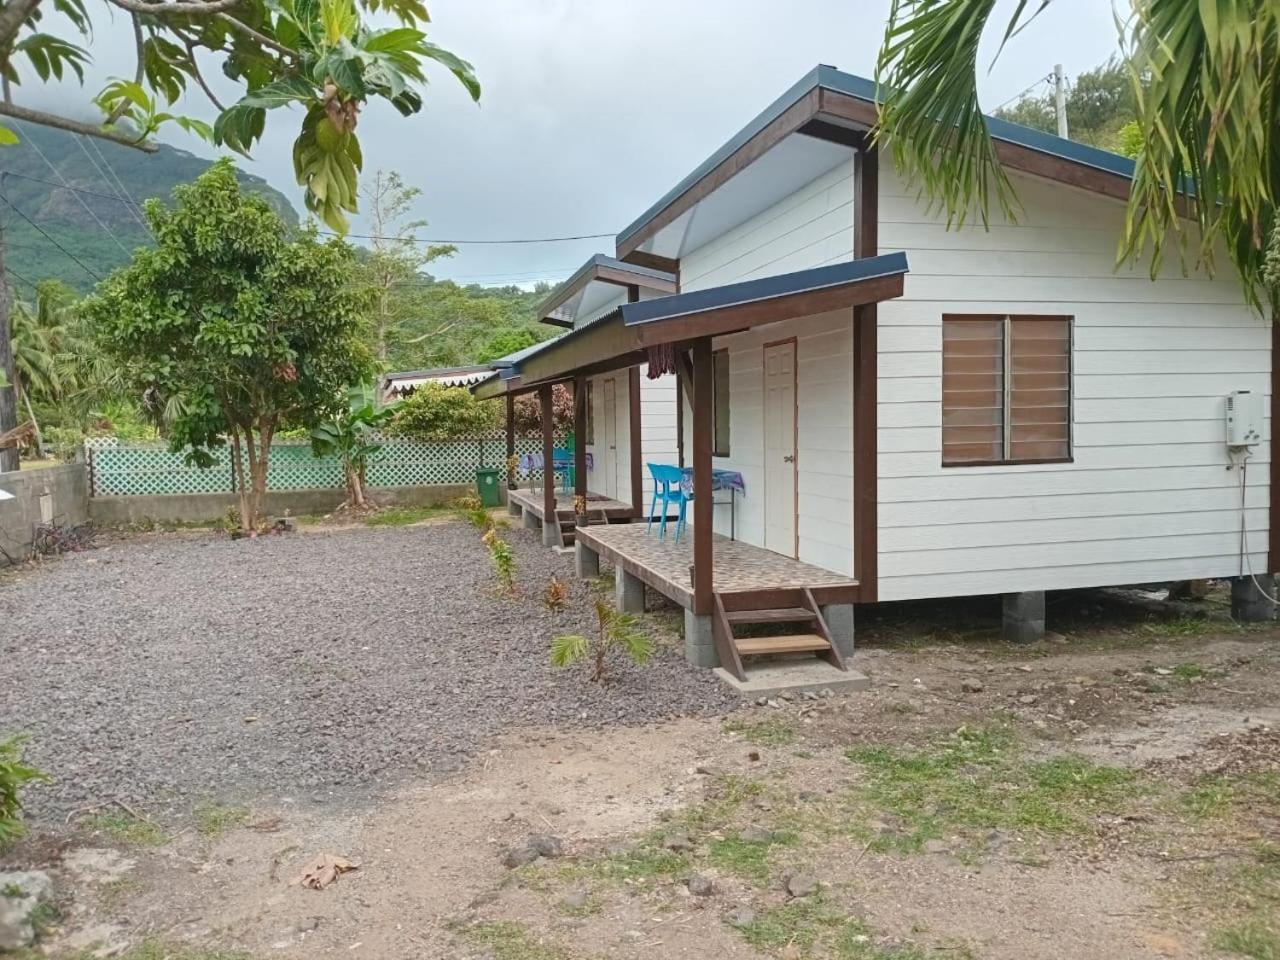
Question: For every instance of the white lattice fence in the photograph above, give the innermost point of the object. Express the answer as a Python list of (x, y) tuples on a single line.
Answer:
[(145, 469)]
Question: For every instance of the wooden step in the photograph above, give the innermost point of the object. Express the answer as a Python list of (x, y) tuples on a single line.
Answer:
[(789, 643), (775, 615)]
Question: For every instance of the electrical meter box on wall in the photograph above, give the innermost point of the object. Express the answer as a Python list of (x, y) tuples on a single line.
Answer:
[(1244, 419)]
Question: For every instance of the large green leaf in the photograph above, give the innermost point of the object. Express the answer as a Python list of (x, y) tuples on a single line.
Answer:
[(292, 89)]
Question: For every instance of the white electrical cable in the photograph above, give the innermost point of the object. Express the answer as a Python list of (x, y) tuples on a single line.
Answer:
[(1246, 564)]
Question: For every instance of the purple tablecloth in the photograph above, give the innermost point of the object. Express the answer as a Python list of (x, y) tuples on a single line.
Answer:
[(720, 480)]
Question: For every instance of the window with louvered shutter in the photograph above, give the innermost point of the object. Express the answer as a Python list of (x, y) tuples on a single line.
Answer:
[(1006, 389)]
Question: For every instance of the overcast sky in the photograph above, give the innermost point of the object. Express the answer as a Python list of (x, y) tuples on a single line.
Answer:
[(592, 109)]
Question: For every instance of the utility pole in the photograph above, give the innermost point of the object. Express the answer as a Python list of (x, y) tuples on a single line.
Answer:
[(1060, 99), (8, 393)]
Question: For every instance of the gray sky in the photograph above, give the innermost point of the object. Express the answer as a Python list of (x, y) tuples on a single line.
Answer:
[(592, 109)]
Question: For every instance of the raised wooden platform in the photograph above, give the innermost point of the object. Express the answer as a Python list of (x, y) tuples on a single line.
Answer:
[(599, 507), (738, 567)]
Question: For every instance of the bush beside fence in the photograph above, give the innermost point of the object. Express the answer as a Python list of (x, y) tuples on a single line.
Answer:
[(147, 469)]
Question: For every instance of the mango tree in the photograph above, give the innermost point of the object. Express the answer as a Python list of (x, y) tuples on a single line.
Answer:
[(237, 328)]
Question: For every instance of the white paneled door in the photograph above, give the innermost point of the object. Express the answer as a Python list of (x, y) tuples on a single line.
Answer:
[(780, 447), (609, 422)]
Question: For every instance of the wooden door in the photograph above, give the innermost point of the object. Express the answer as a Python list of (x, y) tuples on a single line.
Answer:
[(609, 445), (780, 447)]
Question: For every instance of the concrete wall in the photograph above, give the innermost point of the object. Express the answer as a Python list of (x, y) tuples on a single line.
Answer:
[(58, 494), (207, 507)]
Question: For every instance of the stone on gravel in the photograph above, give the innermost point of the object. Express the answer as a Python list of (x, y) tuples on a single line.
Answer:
[(21, 894), (520, 856), (677, 841), (755, 834), (546, 844), (700, 886), (576, 900), (972, 685), (134, 671), (740, 917), (936, 846), (801, 884)]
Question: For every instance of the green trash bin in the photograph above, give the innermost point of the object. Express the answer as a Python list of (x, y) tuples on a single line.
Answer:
[(487, 486)]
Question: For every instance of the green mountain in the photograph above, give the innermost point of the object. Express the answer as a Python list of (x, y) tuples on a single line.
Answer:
[(98, 222)]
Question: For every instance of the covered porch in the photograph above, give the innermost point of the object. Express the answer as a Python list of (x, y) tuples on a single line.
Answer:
[(730, 590)]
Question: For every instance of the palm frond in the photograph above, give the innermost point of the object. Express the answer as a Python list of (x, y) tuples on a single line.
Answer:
[(930, 120), (569, 649)]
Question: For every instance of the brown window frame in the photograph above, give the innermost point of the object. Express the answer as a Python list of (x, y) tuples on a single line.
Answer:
[(719, 448), (1006, 410)]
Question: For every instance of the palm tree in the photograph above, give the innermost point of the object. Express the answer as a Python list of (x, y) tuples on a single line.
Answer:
[(1206, 77), (40, 349)]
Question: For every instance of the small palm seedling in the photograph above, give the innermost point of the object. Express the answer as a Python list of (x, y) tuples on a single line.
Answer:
[(14, 775), (504, 559), (615, 630), (556, 596)]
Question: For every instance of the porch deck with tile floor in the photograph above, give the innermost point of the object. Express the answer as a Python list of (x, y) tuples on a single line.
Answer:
[(738, 567)]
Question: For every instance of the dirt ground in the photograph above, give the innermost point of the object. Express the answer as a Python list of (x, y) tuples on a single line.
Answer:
[(1111, 792)]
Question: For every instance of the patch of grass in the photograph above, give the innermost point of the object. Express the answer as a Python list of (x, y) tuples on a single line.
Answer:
[(1184, 627), (1255, 938), (124, 828), (405, 516), (507, 940), (816, 927), (769, 732), (976, 779), (1191, 672), (215, 819), (728, 794), (1216, 796), (749, 858)]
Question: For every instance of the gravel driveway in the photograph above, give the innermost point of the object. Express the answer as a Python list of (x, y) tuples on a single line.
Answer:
[(324, 666)]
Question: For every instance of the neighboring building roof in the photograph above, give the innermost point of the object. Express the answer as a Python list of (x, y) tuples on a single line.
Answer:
[(818, 95), (594, 284), (447, 376)]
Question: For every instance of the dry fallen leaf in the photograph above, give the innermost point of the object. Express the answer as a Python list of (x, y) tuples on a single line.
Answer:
[(322, 871)]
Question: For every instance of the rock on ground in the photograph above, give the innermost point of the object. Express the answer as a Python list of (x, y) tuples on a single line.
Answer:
[(365, 657), (21, 894)]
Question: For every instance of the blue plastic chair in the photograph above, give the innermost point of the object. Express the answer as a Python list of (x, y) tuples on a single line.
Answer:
[(666, 487), (566, 473)]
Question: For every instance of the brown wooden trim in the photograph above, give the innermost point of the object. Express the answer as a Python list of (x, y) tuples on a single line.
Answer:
[(738, 317), (511, 440), (703, 553), (786, 123), (834, 133), (580, 437), (866, 465), (1273, 520), (548, 459), (603, 274), (654, 262), (637, 471), (1006, 463), (795, 430)]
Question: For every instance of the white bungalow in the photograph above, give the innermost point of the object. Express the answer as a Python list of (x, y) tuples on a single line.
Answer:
[(922, 412)]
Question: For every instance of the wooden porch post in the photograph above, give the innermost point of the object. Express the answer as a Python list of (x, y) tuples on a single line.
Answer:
[(550, 522), (702, 431), (580, 436), (865, 383), (637, 472), (511, 440)]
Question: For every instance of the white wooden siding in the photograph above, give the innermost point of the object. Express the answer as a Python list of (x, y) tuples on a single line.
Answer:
[(1148, 496), (657, 428)]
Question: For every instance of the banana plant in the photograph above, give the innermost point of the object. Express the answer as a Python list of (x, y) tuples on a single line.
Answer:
[(350, 437)]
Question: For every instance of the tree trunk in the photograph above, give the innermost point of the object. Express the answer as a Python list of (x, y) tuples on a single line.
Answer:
[(355, 487), (8, 395), (35, 424), (238, 475)]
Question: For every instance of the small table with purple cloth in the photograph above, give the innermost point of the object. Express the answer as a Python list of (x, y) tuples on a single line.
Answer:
[(730, 480), (529, 462)]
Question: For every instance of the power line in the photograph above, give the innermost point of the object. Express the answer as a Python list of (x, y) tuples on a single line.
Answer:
[(58, 173), (17, 276), (132, 206), (41, 231), (1031, 86), (584, 236)]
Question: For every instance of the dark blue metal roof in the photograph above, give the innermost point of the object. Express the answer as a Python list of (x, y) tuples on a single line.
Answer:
[(863, 89), (766, 288)]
